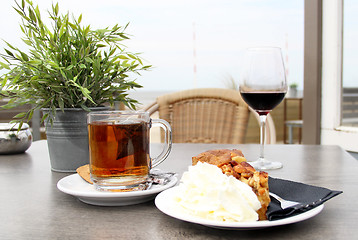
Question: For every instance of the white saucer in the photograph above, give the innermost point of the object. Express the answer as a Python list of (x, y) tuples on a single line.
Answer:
[(165, 203), (85, 192)]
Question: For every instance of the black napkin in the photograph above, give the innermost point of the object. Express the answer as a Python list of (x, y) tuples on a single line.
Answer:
[(309, 196)]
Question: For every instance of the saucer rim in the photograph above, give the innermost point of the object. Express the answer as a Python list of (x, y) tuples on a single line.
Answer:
[(64, 185)]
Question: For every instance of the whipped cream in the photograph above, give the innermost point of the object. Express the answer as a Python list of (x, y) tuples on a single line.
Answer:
[(207, 193)]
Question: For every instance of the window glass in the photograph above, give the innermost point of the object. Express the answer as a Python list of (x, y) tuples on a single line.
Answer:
[(350, 73)]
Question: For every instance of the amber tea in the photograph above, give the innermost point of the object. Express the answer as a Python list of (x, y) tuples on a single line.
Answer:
[(119, 151), (119, 148)]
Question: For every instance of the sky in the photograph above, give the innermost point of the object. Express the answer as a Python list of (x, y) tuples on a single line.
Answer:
[(163, 32)]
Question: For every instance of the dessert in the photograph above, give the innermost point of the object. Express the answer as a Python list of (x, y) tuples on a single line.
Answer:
[(84, 172), (233, 163), (207, 193)]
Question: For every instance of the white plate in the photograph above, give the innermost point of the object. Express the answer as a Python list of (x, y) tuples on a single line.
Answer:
[(76, 186), (165, 203)]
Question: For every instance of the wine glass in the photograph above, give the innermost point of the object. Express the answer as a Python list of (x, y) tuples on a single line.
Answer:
[(263, 86)]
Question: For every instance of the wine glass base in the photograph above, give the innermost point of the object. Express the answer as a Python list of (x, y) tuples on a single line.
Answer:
[(263, 164)]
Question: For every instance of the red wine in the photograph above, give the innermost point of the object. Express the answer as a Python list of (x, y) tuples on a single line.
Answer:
[(263, 102)]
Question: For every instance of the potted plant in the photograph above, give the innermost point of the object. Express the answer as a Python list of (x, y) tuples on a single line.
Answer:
[(68, 68), (293, 89)]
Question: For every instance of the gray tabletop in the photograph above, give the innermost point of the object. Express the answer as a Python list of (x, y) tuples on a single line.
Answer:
[(31, 207)]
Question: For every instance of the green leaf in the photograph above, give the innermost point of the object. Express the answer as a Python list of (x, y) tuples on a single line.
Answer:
[(61, 103), (69, 67), (85, 108), (20, 126), (34, 78), (34, 62), (4, 65), (30, 114), (29, 43), (62, 29), (87, 59), (56, 9), (20, 115), (132, 56), (87, 30), (24, 56), (8, 44), (73, 26), (8, 52), (139, 60), (147, 67), (32, 15), (37, 11), (44, 117), (20, 13), (123, 57)]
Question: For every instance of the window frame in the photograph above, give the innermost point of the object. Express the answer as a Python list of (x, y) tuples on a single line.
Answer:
[(332, 132)]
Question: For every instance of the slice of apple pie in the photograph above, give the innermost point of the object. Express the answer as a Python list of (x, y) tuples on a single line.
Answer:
[(232, 162)]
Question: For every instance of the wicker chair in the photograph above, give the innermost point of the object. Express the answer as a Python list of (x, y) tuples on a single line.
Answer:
[(207, 115)]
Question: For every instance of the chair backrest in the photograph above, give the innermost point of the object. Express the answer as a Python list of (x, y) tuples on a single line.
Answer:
[(206, 115)]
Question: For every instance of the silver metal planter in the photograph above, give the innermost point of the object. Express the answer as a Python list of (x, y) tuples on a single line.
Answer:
[(67, 139)]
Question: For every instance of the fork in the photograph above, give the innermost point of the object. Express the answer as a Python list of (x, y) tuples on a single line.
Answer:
[(284, 203)]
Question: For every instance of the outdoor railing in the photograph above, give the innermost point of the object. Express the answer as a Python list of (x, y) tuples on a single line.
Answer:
[(350, 107)]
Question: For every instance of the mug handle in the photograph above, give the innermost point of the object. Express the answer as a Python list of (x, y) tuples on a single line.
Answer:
[(167, 141)]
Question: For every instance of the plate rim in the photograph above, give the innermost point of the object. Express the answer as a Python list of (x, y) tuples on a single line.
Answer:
[(162, 202), (98, 194)]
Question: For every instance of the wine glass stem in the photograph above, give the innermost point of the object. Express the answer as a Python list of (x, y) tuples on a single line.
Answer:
[(262, 135)]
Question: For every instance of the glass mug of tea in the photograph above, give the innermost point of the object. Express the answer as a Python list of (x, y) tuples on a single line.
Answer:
[(119, 148)]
